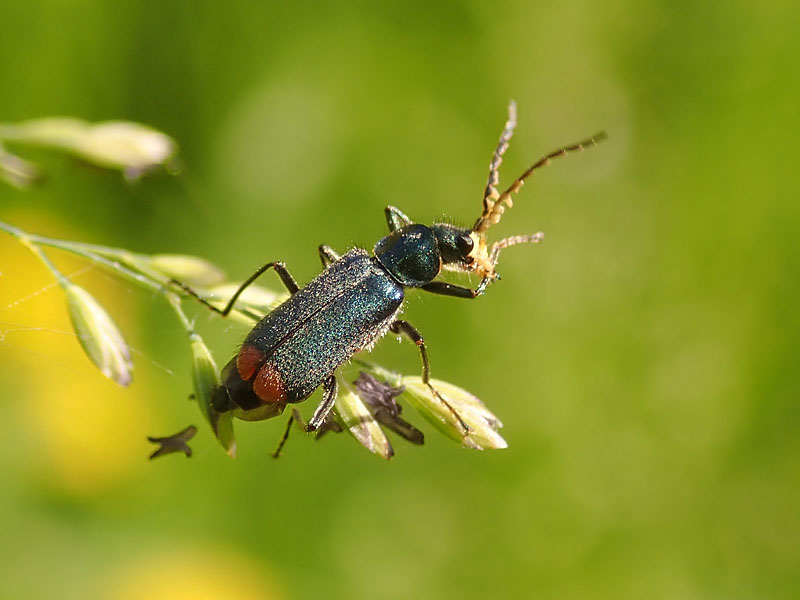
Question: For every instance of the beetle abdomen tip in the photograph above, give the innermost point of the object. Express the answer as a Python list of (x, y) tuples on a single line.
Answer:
[(268, 385)]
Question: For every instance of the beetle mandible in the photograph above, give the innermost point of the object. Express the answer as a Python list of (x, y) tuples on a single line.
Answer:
[(298, 346)]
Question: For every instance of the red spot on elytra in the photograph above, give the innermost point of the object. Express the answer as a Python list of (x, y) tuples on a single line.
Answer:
[(248, 362), (268, 385)]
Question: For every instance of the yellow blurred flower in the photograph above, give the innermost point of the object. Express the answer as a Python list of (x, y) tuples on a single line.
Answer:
[(192, 575), (77, 433)]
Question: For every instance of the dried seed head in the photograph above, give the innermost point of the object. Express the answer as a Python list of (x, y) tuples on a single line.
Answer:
[(99, 336), (380, 399), (483, 425), (206, 381)]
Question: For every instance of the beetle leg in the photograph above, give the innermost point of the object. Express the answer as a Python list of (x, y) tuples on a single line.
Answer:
[(327, 255), (407, 329), (295, 417), (396, 218), (449, 289), (280, 269), (330, 389)]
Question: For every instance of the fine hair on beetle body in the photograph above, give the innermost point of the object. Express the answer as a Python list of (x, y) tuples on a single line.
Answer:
[(356, 299)]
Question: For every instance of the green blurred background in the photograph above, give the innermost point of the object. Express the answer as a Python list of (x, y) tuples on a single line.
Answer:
[(644, 358)]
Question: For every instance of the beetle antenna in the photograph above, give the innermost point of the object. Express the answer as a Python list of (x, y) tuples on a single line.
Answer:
[(493, 208), (490, 193)]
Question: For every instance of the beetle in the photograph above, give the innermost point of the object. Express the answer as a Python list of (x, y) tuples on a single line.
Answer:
[(356, 300)]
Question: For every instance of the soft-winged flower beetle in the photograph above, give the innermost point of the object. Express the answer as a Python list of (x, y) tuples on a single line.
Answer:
[(298, 346)]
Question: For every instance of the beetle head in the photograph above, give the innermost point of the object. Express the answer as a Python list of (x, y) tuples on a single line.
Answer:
[(467, 250), (456, 246)]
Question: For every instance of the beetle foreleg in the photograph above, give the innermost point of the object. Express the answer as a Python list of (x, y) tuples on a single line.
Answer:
[(407, 329), (449, 289)]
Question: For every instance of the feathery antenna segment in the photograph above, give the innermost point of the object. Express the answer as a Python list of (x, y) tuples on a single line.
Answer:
[(494, 204), (490, 193)]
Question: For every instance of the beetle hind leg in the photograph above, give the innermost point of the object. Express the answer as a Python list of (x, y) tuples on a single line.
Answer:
[(407, 329), (295, 417), (278, 267), (330, 388)]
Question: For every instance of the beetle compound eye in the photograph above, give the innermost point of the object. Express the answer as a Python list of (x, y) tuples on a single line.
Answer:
[(465, 244)]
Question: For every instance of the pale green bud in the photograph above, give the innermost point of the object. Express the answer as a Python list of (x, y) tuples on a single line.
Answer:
[(483, 425), (206, 381), (17, 171), (191, 270), (98, 334), (130, 147)]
